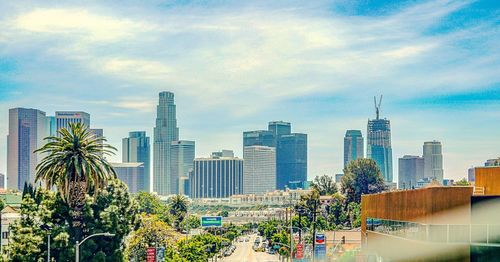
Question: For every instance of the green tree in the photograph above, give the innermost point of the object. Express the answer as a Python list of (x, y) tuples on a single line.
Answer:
[(151, 204), (178, 205), (152, 232), (462, 182), (361, 176), (336, 213), (324, 185), (76, 166), (354, 212)]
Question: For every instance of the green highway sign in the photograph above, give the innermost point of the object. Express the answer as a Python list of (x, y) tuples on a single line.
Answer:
[(212, 221)]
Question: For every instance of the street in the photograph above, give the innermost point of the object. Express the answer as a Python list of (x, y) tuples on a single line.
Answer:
[(245, 253)]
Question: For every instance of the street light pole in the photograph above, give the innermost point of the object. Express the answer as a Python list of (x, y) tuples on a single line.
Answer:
[(78, 243), (48, 247)]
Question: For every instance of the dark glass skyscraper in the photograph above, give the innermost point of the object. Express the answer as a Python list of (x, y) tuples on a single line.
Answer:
[(279, 128), (165, 132), (136, 148), (259, 138), (353, 146), (291, 160), (378, 146)]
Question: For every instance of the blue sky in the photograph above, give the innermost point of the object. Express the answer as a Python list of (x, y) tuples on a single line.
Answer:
[(235, 65)]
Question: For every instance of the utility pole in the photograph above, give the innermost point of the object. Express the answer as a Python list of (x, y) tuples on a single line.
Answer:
[(314, 228)]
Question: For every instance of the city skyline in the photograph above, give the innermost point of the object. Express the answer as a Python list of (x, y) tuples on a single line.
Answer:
[(412, 70)]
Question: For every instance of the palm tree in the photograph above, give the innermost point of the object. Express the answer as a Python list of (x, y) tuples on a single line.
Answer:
[(178, 205), (75, 165)]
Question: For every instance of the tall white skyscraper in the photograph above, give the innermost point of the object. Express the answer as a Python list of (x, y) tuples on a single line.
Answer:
[(165, 132), (63, 118), (433, 160), (411, 170), (27, 129), (182, 157), (259, 169)]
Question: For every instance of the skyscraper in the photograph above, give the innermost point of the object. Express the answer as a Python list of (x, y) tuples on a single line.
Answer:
[(165, 132), (433, 161), (27, 129), (182, 162), (63, 118), (353, 146), (411, 170), (51, 125), (378, 146), (279, 128), (291, 160), (291, 151), (216, 177), (259, 169), (259, 138), (136, 148), (131, 174)]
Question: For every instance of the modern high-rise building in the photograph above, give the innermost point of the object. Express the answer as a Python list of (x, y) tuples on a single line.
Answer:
[(279, 128), (132, 174), (378, 145), (165, 132), (136, 149), (222, 153), (433, 161), (353, 146), (259, 138), (184, 185), (216, 177), (27, 129), (182, 162), (411, 170), (291, 152), (51, 125), (259, 169), (291, 160), (63, 118)]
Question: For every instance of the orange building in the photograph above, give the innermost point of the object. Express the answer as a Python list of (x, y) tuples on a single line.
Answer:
[(435, 223)]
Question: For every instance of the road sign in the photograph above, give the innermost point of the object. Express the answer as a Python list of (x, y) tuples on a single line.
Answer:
[(151, 254), (299, 251), (296, 237), (320, 239), (160, 254), (211, 221)]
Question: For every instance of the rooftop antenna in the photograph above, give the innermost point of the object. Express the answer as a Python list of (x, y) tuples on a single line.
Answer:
[(377, 107)]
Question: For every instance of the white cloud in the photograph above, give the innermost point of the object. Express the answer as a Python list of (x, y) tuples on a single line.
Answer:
[(78, 23)]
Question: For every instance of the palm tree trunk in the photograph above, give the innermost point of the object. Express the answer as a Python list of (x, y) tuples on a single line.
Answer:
[(77, 203)]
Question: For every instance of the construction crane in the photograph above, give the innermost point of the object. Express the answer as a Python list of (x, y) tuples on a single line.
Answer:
[(377, 107)]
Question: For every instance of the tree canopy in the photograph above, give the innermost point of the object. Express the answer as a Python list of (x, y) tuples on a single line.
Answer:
[(361, 176), (324, 185)]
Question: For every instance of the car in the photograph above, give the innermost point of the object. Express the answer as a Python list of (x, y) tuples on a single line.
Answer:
[(227, 253), (271, 251), (246, 239)]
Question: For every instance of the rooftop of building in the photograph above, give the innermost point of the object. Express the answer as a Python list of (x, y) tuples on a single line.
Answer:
[(128, 164)]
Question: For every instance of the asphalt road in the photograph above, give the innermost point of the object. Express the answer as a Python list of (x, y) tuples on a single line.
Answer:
[(245, 253)]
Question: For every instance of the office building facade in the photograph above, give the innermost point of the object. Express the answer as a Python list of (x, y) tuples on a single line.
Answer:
[(259, 138), (182, 158), (165, 132), (136, 148), (411, 170), (27, 129), (291, 160), (291, 152), (353, 146), (216, 177), (64, 118), (378, 146), (433, 161), (132, 174), (259, 169)]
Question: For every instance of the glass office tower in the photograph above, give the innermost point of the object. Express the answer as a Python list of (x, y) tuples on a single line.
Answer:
[(137, 149), (353, 146), (165, 132), (378, 146)]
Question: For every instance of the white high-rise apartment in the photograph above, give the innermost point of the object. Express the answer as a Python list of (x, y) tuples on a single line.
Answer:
[(259, 169), (433, 160), (27, 129)]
